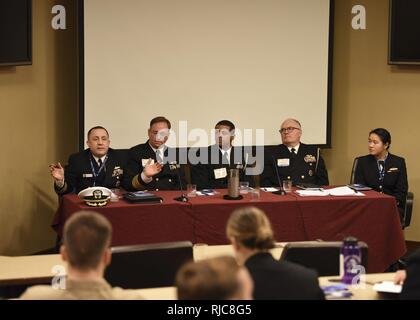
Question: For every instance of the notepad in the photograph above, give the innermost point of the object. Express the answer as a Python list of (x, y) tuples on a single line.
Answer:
[(142, 196)]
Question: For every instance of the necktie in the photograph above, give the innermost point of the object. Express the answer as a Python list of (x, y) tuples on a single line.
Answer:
[(225, 159), (292, 156), (381, 165), (100, 174), (159, 157)]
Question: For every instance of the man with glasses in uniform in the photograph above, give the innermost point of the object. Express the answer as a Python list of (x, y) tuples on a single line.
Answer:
[(295, 161)]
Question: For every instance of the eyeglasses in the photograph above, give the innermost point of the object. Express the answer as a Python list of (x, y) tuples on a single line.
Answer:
[(288, 129)]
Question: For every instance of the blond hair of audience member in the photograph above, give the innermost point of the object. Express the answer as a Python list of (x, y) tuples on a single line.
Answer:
[(214, 279), (86, 240), (250, 232), (252, 237)]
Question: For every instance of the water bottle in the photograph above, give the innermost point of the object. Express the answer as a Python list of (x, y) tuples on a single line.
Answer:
[(351, 259)]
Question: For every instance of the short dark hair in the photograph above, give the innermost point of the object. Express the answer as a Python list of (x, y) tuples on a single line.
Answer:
[(87, 235), (383, 134), (211, 279), (226, 123), (94, 128), (160, 119)]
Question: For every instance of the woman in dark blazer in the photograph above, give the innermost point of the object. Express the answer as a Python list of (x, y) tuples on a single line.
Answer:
[(381, 170), (251, 235)]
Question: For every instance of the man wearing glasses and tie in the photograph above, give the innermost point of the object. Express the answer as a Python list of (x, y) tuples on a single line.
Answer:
[(97, 166), (153, 165), (295, 161)]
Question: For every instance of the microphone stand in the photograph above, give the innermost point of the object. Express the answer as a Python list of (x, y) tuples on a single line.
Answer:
[(281, 192), (183, 197)]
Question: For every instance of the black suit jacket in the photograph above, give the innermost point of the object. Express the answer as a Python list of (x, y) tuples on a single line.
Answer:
[(282, 280), (411, 287), (78, 172), (167, 179), (307, 167), (202, 174), (395, 179)]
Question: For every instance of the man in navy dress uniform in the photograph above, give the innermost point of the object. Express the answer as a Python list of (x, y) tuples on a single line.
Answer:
[(99, 165), (294, 160)]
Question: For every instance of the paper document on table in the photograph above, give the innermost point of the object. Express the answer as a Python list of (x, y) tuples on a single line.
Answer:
[(336, 192), (344, 191), (387, 286), (313, 193)]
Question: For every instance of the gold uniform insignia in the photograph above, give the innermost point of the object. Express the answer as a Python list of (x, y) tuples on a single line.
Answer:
[(309, 158), (117, 172)]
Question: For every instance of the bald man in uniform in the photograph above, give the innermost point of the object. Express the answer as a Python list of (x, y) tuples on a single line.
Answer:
[(295, 160)]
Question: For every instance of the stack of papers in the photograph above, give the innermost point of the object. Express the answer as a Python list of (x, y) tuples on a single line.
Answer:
[(313, 193), (340, 191), (387, 286), (344, 191), (142, 196)]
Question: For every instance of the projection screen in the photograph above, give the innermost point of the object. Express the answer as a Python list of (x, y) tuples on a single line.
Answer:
[(254, 62)]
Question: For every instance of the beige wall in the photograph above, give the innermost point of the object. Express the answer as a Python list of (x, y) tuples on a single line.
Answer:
[(39, 116), (368, 93), (205, 60), (38, 125)]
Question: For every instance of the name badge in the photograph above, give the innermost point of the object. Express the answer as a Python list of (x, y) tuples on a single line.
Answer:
[(87, 175), (283, 162), (220, 173), (144, 162)]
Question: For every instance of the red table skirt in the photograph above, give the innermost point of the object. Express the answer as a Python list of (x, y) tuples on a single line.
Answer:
[(373, 219)]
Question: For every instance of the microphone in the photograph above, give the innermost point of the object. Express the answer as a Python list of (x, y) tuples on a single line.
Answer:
[(183, 197), (246, 163), (281, 192)]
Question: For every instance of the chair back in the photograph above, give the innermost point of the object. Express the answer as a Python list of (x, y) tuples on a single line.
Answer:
[(353, 170), (322, 256), (147, 266)]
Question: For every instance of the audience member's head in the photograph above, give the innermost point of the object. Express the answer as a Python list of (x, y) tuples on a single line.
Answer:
[(214, 279), (87, 237), (250, 232)]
